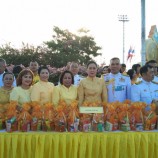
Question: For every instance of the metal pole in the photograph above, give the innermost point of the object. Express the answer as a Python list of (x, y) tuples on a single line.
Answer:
[(123, 41), (143, 52), (123, 19)]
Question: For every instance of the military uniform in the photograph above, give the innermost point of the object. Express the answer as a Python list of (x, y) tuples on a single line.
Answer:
[(138, 79), (77, 79), (118, 86), (154, 80), (144, 91)]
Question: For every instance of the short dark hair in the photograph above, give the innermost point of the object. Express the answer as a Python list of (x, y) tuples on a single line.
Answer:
[(123, 65), (151, 61), (144, 69), (130, 72), (17, 69), (6, 73), (106, 67), (135, 66), (92, 62), (41, 68), (62, 76)]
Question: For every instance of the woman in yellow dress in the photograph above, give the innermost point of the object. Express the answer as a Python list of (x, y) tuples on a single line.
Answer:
[(5, 90), (22, 92), (66, 91), (92, 89), (42, 91)]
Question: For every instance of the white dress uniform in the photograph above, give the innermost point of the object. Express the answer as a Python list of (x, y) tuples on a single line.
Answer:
[(77, 79), (138, 79), (118, 86), (154, 80), (144, 91)]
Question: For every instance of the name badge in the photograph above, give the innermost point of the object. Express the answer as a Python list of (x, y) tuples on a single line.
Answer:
[(88, 110), (119, 88)]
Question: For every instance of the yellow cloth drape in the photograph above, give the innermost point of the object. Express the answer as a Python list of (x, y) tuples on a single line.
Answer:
[(79, 145)]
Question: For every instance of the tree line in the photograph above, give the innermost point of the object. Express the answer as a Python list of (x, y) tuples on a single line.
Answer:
[(64, 46)]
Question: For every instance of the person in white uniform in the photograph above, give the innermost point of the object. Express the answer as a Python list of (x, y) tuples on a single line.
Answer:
[(146, 90), (153, 63), (74, 68), (118, 85)]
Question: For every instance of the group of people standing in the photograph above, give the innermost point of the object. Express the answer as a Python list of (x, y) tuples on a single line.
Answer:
[(32, 85)]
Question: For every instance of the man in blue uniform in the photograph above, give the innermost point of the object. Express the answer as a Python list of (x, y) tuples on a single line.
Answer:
[(118, 85), (153, 64), (145, 90)]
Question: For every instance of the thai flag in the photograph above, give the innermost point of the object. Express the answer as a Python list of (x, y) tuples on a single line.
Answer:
[(130, 53)]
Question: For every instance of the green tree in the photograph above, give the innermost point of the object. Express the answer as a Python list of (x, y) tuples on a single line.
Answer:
[(66, 46), (23, 55), (63, 48)]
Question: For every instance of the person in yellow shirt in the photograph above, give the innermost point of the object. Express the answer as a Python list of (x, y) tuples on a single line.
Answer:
[(42, 91), (92, 88), (7, 87), (66, 91), (34, 68), (22, 92)]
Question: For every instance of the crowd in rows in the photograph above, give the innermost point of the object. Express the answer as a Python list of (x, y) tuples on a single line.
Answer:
[(75, 82)]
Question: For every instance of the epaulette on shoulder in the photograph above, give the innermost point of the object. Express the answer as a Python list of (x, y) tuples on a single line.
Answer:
[(106, 74), (125, 75), (139, 82), (154, 82)]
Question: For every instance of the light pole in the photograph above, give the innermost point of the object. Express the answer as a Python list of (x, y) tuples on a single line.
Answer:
[(123, 19), (143, 51)]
